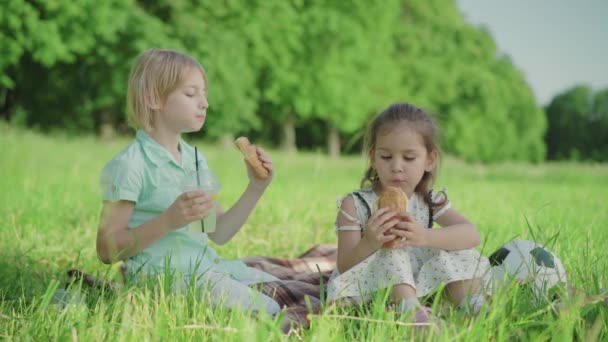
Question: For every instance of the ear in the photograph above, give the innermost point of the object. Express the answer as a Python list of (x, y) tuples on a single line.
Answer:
[(152, 102), (372, 156), (431, 161)]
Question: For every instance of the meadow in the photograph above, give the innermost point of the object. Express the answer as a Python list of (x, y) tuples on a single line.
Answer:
[(50, 201)]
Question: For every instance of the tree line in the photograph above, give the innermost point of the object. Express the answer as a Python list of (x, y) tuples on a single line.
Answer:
[(578, 125), (294, 73)]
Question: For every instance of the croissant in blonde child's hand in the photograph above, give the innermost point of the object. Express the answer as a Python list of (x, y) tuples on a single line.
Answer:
[(251, 157)]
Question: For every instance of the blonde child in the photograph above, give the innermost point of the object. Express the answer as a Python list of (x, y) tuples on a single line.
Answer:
[(145, 213), (401, 144)]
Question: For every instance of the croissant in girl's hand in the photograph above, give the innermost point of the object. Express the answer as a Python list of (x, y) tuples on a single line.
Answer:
[(395, 199)]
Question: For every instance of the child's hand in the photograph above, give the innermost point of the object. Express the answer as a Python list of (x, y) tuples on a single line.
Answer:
[(411, 232), (380, 222), (257, 183), (189, 207)]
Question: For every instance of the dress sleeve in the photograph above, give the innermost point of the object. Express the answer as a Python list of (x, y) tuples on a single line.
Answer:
[(358, 226), (439, 197), (121, 180)]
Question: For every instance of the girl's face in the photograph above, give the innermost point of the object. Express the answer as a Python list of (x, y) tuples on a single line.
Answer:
[(185, 108), (400, 158)]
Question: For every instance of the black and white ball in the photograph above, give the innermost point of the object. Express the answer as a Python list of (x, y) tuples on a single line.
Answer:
[(527, 263)]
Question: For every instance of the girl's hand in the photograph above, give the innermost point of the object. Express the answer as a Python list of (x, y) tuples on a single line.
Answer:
[(411, 232), (380, 222), (254, 182), (189, 207)]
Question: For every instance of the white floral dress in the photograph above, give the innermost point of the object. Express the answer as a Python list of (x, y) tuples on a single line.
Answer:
[(422, 268)]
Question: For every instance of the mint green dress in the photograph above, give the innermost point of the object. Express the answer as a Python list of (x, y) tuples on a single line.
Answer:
[(146, 174)]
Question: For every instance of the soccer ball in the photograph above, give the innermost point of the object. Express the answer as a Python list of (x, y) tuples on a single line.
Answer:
[(527, 263)]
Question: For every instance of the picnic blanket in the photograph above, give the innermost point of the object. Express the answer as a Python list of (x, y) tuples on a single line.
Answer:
[(303, 283), (299, 293)]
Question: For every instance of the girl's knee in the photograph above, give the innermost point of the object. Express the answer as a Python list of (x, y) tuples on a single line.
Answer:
[(464, 282), (404, 287), (401, 291)]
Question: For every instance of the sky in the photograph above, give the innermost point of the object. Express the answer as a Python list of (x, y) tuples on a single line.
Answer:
[(556, 43)]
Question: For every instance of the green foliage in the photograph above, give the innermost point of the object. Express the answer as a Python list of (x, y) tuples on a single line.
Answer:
[(62, 78), (275, 35), (484, 105), (578, 125), (214, 33), (349, 60), (314, 65)]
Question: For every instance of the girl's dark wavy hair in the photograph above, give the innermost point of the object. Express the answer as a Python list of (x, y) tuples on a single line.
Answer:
[(417, 119)]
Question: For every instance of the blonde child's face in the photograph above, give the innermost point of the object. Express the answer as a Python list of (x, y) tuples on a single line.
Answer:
[(185, 108), (400, 158)]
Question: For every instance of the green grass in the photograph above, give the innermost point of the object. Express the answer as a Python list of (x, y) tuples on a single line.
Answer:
[(50, 199)]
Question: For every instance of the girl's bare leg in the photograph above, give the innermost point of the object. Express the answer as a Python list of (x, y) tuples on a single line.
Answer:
[(463, 291)]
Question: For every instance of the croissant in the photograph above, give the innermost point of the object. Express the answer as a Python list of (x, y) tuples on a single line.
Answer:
[(395, 199), (251, 157)]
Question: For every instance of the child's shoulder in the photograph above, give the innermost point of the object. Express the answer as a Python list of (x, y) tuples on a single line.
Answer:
[(439, 196), (131, 156), (364, 191), (122, 177), (366, 196), (361, 193)]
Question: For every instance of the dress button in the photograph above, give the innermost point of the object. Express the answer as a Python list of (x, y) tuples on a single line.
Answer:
[(216, 260)]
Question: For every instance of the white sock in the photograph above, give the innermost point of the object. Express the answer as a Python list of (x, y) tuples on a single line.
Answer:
[(407, 304), (469, 302)]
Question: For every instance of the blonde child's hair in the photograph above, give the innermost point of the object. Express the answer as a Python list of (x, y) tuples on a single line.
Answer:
[(154, 75)]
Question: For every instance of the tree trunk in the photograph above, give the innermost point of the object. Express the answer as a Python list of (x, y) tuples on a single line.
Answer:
[(7, 104), (227, 141), (105, 126), (288, 139), (333, 141)]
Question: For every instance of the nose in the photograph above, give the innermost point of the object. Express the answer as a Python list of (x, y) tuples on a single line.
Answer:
[(204, 104), (396, 165)]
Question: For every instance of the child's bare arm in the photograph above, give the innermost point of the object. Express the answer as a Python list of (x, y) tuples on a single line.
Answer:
[(230, 222), (116, 241), (456, 233), (352, 247)]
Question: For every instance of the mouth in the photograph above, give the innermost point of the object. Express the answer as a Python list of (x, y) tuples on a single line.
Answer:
[(201, 117)]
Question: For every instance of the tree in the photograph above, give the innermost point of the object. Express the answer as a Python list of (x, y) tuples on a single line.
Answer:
[(599, 126), (214, 34), (317, 68), (72, 63), (275, 37), (349, 65), (578, 125), (484, 105)]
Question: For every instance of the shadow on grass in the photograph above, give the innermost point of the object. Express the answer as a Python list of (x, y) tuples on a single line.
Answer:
[(23, 278)]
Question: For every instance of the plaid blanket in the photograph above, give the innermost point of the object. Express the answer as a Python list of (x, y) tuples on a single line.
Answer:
[(303, 281), (299, 293), (315, 264)]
